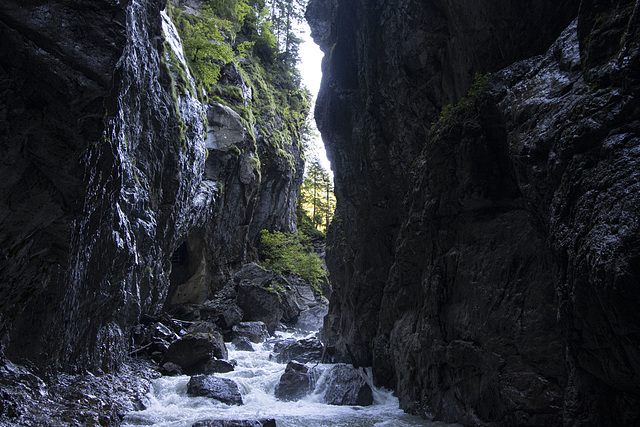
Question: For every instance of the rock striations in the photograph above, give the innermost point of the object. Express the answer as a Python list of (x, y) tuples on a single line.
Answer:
[(120, 190), (484, 257)]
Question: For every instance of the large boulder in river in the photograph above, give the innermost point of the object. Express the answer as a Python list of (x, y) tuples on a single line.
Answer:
[(304, 350), (222, 389), (345, 386), (260, 304), (216, 366), (235, 423), (194, 350), (253, 331), (304, 307), (242, 344), (295, 383)]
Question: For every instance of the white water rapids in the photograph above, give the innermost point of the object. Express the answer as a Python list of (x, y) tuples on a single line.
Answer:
[(168, 405)]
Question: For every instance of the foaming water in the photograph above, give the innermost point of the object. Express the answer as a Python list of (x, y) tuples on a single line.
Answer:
[(256, 374)]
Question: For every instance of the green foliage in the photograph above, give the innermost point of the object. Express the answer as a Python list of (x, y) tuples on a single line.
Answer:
[(204, 44), (316, 198), (228, 93), (451, 115), (178, 71), (284, 253), (234, 150), (256, 166)]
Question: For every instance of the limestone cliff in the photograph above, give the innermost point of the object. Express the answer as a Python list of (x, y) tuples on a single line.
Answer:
[(484, 257)]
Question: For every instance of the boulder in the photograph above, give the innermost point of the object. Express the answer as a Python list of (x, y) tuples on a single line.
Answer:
[(222, 309), (242, 344), (192, 351), (225, 127), (222, 389), (304, 350), (260, 304), (170, 369), (217, 366), (254, 331), (253, 273), (345, 386), (234, 423), (295, 383), (304, 307)]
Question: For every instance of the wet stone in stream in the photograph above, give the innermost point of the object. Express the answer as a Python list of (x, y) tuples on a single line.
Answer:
[(226, 423), (222, 389)]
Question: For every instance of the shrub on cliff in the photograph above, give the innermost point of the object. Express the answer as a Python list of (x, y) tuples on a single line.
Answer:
[(284, 253)]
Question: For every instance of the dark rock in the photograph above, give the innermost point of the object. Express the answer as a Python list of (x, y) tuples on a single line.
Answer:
[(345, 386), (222, 389), (295, 383), (109, 205), (222, 309), (242, 344), (217, 366), (254, 274), (192, 351), (171, 369), (254, 331), (203, 327), (227, 423), (71, 400), (260, 304), (303, 351), (304, 307), (494, 281)]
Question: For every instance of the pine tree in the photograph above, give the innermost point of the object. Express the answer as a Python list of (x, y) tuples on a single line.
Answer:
[(316, 195)]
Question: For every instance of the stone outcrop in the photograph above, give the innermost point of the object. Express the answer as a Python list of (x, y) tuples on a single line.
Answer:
[(192, 352), (482, 259), (234, 423), (344, 385), (303, 351), (222, 389), (295, 383)]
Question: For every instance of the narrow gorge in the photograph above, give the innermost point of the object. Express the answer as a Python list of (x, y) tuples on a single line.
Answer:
[(483, 260)]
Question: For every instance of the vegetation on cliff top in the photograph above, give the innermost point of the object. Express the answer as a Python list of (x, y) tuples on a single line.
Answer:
[(255, 41)]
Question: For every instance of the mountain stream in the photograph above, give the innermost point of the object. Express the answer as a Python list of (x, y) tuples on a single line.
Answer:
[(257, 374)]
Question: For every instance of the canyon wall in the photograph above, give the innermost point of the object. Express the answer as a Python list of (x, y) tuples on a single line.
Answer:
[(121, 187), (484, 254)]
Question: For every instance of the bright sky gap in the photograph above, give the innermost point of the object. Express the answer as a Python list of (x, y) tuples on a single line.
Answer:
[(310, 67)]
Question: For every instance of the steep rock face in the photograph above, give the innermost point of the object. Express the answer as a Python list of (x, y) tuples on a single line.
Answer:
[(508, 295), (387, 70), (62, 150), (120, 189)]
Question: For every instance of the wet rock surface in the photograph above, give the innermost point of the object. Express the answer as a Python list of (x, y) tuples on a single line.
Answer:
[(295, 383), (222, 389), (193, 351), (28, 398), (227, 423), (493, 282), (242, 343), (253, 331), (304, 350), (111, 193), (346, 386)]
